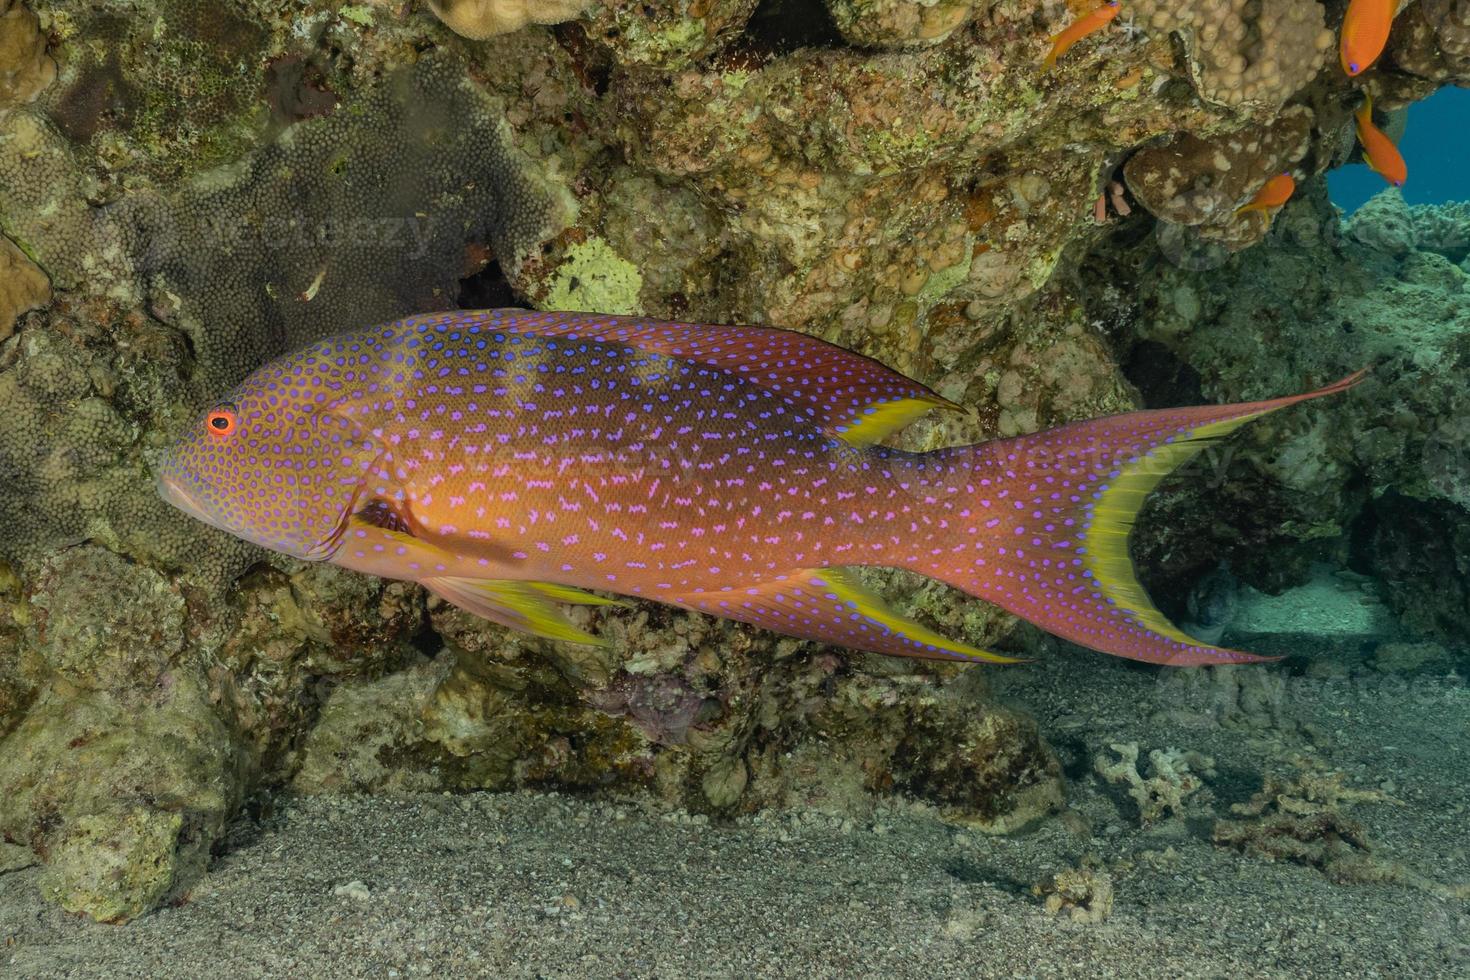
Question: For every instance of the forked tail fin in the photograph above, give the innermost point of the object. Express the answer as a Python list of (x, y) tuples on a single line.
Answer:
[(1048, 517)]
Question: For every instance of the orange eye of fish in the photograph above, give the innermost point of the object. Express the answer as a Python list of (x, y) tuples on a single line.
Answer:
[(221, 422)]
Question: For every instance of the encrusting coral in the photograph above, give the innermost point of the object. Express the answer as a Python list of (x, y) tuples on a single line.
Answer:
[(206, 186), (1431, 39)]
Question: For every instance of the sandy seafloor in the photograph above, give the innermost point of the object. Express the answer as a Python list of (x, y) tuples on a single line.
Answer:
[(522, 885)]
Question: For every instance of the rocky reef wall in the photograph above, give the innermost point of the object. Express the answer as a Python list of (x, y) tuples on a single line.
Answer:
[(188, 189)]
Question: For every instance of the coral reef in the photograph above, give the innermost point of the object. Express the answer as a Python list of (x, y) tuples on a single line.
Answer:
[(1389, 225), (121, 773), (206, 186), (1173, 777)]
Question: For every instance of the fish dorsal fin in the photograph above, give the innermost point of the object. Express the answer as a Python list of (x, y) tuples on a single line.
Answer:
[(524, 606), (831, 605), (854, 397)]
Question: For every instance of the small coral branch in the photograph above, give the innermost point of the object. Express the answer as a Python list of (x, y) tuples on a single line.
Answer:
[(1173, 777)]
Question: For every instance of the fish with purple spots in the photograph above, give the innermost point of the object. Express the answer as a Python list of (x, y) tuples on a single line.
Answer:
[(513, 461)]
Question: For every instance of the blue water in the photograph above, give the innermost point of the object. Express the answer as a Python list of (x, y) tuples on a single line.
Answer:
[(1436, 146)]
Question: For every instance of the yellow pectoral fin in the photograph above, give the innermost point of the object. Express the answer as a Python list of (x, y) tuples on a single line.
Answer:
[(522, 606)]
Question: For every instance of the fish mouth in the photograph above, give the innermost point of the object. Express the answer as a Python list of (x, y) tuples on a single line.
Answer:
[(173, 492)]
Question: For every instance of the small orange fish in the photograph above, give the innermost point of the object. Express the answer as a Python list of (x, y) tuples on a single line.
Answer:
[(1095, 21), (1378, 150), (1276, 192), (1365, 33)]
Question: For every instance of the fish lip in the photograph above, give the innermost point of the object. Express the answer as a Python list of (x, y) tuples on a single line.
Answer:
[(174, 493)]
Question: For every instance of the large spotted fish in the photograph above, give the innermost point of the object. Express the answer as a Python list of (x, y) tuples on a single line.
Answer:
[(510, 460)]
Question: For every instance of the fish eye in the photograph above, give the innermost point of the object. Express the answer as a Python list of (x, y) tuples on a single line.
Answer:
[(222, 421)]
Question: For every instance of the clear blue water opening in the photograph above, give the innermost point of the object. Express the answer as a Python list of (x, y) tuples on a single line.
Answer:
[(1436, 147)]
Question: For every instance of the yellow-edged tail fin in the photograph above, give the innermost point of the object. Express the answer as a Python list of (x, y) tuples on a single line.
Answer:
[(1052, 522)]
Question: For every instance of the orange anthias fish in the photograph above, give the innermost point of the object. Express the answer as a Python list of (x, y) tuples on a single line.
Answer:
[(1274, 194), (510, 460), (1378, 150), (1365, 33), (1061, 43)]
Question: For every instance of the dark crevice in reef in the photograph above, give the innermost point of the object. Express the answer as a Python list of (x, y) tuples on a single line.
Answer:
[(1415, 548), (782, 26), (1161, 378), (487, 290), (427, 640)]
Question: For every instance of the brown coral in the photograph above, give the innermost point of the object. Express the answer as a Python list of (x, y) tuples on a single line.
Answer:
[(1245, 52), (1202, 182), (23, 286), (1431, 39), (25, 68)]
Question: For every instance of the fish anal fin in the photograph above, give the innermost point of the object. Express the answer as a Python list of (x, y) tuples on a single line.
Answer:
[(523, 606), (830, 605)]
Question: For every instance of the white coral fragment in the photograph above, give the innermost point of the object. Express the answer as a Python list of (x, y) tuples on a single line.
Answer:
[(1173, 776)]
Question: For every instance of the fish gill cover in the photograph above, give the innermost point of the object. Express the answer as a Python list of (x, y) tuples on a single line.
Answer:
[(186, 196)]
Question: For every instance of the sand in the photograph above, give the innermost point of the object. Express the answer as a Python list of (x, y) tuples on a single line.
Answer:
[(544, 885)]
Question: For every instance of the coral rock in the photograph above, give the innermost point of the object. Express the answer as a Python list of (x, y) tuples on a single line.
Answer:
[(1244, 52), (666, 34)]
